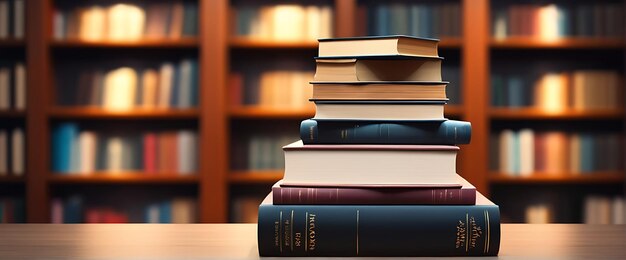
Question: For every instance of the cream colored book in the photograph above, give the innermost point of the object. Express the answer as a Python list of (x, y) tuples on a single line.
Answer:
[(506, 143), (378, 46), (183, 210), (114, 151), (548, 23), (370, 165), (5, 88), (87, 141), (527, 152), (380, 90), (350, 70), (313, 22), (92, 23), (120, 88), (551, 92), (18, 152), (20, 86), (125, 22), (150, 84), (326, 19), (364, 110), (288, 23)]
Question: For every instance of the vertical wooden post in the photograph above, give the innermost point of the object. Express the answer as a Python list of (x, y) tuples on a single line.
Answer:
[(475, 63), (344, 17), (37, 103), (213, 121)]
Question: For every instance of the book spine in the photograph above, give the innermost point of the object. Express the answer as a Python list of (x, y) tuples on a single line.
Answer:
[(378, 230), (356, 196), (449, 132)]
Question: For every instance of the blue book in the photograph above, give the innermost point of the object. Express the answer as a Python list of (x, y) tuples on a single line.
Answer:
[(176, 84), (73, 210), (165, 212), (62, 144), (399, 18), (382, 20), (586, 153), (194, 83), (190, 19), (564, 21), (414, 20), (425, 23), (447, 132), (515, 93), (379, 230)]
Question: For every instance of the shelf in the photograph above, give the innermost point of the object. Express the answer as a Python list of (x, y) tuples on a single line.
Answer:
[(450, 43), (260, 112), (534, 113), (122, 178), (97, 113), (563, 178), (566, 43), (252, 177), (139, 44), (453, 110), (11, 179), (12, 43), (244, 43), (12, 113)]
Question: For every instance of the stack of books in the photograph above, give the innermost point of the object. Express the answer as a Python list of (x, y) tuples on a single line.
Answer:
[(375, 171)]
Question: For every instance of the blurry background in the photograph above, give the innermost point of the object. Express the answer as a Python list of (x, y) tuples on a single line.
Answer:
[(175, 111)]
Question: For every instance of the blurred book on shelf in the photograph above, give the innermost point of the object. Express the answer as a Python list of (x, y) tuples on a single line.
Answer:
[(245, 208), (553, 21), (258, 152), (556, 92), (12, 19), (271, 89), (12, 86), (75, 209), (540, 213), (527, 152), (76, 151), (598, 209), (118, 22), (123, 88), (282, 22), (12, 152), (12, 210), (433, 20)]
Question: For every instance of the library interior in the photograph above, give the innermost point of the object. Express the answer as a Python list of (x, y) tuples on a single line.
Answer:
[(137, 111)]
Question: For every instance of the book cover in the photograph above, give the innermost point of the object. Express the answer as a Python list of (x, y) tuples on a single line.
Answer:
[(450, 132), (373, 230)]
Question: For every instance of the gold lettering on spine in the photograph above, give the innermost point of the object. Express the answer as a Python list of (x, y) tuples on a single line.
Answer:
[(488, 240), (306, 232), (280, 236), (291, 230), (357, 232), (467, 230)]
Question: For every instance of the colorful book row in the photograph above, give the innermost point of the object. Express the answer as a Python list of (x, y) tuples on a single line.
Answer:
[(12, 22), (126, 22), (169, 85), (12, 210), (604, 210), (13, 86), (283, 22), (423, 20), (76, 151), (12, 152), (73, 209), (558, 91), (260, 152), (553, 21), (272, 89), (525, 152)]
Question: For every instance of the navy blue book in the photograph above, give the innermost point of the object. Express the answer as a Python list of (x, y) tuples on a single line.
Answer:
[(375, 230), (447, 132)]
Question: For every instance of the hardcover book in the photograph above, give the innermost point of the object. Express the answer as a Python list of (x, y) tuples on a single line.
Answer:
[(373, 230), (378, 69), (378, 46), (380, 90), (370, 165), (379, 110)]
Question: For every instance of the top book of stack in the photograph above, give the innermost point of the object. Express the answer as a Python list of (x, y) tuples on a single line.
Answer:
[(396, 45)]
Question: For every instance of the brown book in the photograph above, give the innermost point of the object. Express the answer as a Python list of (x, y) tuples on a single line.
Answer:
[(378, 46), (362, 69), (464, 195), (381, 90), (176, 20), (556, 152)]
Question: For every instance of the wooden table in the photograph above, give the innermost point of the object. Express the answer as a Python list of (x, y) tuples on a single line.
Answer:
[(238, 241)]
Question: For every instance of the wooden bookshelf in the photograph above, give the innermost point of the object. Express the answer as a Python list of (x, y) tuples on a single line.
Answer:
[(135, 114), (255, 177), (11, 179), (214, 48), (560, 178), (122, 178), (260, 112), (566, 43), (184, 43), (537, 114)]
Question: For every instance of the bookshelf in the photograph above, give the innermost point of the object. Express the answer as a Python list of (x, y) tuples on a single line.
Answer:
[(218, 123)]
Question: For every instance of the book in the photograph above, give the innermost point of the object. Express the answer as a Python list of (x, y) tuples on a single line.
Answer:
[(92, 23), (62, 138), (378, 46), (19, 15), (368, 69), (5, 88), (177, 12), (291, 195), (379, 90), (447, 132), (166, 82), (88, 142), (18, 152), (379, 230), (19, 92), (120, 89), (379, 110), (125, 22), (4, 19), (4, 153), (370, 165)]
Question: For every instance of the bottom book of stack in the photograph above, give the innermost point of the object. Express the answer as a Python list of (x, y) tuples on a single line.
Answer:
[(329, 228)]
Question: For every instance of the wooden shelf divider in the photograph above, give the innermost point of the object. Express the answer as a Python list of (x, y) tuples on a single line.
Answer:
[(122, 178), (570, 114), (9, 178), (98, 113), (255, 177), (565, 43), (559, 178), (185, 43)]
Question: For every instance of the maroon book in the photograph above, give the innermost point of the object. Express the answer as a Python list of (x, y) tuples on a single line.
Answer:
[(288, 195)]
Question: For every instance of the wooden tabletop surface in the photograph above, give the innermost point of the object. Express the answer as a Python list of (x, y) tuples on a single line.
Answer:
[(238, 241)]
